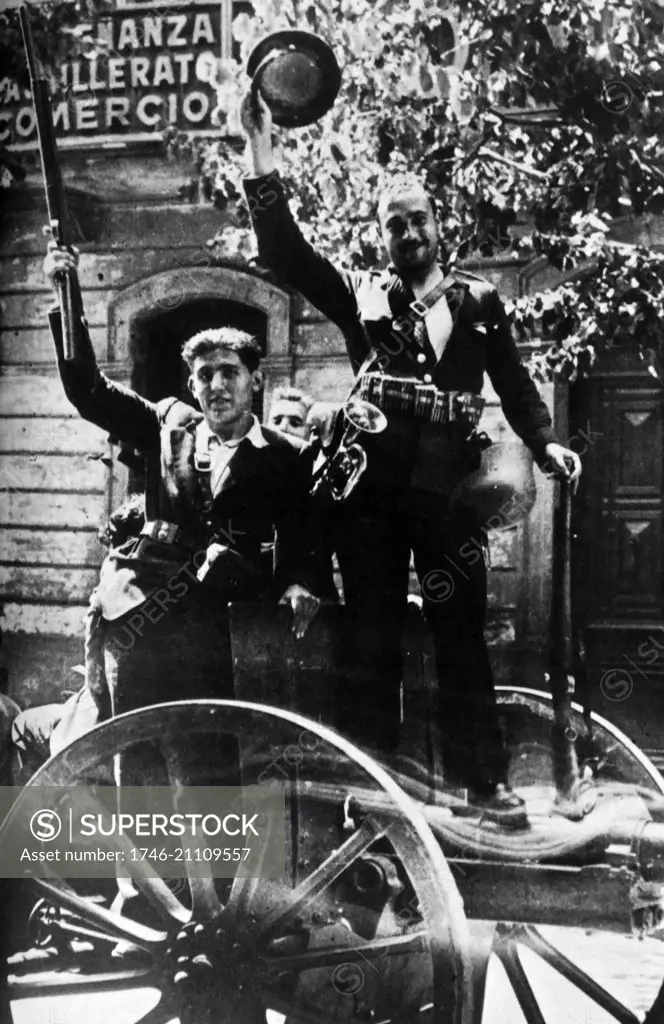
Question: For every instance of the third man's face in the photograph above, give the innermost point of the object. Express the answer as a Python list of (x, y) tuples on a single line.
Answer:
[(410, 233), (289, 417)]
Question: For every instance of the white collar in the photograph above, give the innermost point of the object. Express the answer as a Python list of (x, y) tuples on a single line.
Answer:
[(254, 434)]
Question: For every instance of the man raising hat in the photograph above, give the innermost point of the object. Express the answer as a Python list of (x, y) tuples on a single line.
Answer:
[(422, 338)]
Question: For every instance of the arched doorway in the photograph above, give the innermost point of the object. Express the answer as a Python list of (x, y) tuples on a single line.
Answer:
[(157, 336), (150, 321), (181, 299)]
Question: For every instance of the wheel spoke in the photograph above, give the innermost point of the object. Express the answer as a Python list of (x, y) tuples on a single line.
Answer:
[(656, 1012), (509, 958), (60, 983), (330, 956), (205, 903), (243, 891), (222, 981), (152, 885), (74, 927), (536, 942), (160, 896), (164, 1012), (240, 900), (114, 924), (324, 875), (483, 936), (293, 823)]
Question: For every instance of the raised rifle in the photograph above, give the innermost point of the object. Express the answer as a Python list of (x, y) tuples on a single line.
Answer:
[(55, 194)]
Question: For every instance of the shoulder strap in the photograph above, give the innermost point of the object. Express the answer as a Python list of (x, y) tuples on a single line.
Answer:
[(203, 467), (422, 306)]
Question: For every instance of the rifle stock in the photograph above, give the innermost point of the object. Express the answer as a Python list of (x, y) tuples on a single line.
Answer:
[(54, 189)]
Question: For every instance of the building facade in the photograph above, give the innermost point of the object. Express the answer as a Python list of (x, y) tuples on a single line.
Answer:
[(149, 282)]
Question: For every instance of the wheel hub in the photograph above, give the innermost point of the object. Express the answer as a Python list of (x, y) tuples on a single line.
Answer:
[(209, 967)]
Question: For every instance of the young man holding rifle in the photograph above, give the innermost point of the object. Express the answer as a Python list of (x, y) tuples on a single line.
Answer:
[(219, 487)]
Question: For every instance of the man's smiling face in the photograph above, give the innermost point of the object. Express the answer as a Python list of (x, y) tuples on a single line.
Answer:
[(409, 230), (224, 388)]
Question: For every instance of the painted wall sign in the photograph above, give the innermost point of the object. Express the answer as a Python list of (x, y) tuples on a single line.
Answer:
[(150, 66)]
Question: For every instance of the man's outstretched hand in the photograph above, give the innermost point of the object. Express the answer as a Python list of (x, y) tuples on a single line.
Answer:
[(304, 606), (562, 461), (58, 263), (256, 121)]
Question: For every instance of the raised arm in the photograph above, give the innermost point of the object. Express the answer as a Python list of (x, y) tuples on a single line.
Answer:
[(281, 244), (523, 407), (116, 409)]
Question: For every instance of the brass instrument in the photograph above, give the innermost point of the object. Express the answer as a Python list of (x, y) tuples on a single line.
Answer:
[(342, 469)]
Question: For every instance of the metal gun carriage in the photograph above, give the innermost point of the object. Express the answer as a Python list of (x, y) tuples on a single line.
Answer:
[(392, 907)]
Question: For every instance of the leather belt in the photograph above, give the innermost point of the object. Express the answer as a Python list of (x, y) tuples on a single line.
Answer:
[(407, 396)]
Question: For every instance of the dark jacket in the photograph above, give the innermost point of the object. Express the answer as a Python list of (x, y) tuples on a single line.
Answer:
[(373, 311), (265, 492)]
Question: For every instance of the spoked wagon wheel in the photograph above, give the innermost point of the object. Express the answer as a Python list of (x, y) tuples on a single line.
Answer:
[(553, 975), (546, 975), (368, 924)]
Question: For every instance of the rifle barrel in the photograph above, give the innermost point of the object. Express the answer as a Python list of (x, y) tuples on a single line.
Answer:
[(54, 189)]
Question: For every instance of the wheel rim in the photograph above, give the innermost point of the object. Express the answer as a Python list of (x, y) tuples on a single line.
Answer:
[(629, 764), (203, 931), (522, 708)]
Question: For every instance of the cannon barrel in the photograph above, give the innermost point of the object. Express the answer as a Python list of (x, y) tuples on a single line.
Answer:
[(647, 847), (638, 843)]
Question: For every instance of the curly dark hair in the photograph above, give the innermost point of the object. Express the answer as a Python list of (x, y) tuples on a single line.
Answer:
[(231, 338)]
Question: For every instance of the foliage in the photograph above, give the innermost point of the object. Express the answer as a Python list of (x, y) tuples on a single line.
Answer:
[(534, 128), (618, 300), (551, 129)]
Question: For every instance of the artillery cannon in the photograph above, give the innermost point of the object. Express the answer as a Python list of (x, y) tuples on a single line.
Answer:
[(392, 907)]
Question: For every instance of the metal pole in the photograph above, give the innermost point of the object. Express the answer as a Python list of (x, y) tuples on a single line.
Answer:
[(565, 763)]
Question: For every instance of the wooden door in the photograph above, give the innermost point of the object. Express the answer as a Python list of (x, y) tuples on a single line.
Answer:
[(617, 421)]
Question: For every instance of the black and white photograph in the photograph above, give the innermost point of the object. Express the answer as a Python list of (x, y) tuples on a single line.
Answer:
[(331, 512)]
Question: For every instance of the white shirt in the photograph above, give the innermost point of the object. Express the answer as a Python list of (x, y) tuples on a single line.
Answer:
[(438, 319), (221, 452)]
